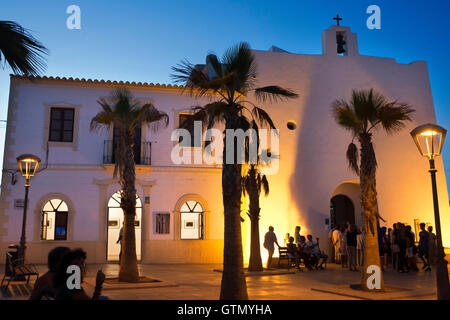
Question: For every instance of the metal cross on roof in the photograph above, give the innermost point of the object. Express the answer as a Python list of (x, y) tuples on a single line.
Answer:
[(337, 19)]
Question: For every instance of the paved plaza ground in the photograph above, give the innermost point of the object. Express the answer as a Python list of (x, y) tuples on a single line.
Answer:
[(202, 282)]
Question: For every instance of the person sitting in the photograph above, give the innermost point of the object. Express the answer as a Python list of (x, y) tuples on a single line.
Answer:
[(318, 257), (44, 287), (304, 253), (63, 292), (293, 253)]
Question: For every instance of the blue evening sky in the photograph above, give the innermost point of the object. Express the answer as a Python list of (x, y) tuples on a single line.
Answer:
[(141, 40)]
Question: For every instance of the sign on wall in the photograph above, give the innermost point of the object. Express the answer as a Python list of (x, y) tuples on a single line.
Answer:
[(19, 203)]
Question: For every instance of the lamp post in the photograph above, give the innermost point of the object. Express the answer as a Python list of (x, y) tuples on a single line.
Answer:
[(28, 165), (429, 139)]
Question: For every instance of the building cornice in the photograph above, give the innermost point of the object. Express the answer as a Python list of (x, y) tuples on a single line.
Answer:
[(94, 82)]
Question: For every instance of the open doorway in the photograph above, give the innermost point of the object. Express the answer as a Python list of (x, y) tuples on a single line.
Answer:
[(115, 222), (341, 210)]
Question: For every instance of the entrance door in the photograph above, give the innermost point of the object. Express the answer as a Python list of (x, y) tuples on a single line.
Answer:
[(115, 222), (342, 210)]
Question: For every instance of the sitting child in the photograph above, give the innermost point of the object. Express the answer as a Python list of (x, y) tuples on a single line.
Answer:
[(293, 253)]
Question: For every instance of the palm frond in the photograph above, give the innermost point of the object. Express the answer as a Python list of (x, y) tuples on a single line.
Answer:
[(217, 67), (23, 53), (352, 157), (345, 116), (239, 60), (215, 112), (152, 117), (393, 116), (274, 94), (265, 185), (263, 117)]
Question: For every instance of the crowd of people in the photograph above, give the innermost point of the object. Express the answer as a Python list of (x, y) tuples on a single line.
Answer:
[(397, 246), (299, 249)]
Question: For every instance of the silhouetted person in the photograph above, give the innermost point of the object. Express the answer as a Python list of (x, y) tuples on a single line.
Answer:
[(351, 246), (410, 249), (63, 292), (432, 244), (424, 248), (269, 240), (402, 243), (293, 252), (44, 286), (120, 239)]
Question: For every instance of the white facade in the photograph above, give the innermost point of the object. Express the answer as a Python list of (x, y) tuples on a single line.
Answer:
[(313, 166)]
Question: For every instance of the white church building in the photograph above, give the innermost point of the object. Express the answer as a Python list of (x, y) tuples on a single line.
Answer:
[(73, 199)]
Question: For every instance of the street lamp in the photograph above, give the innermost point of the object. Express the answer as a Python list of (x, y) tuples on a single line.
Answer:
[(429, 139), (28, 165)]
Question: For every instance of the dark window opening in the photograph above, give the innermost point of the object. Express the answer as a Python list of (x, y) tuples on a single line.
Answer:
[(61, 124), (186, 121)]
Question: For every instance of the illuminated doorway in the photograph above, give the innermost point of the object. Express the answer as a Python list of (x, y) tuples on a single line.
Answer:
[(115, 222)]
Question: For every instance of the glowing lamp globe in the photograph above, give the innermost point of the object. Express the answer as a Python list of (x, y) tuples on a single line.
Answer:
[(28, 165), (429, 139)]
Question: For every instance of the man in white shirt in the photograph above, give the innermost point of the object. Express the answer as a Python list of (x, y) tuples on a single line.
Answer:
[(331, 243), (336, 238)]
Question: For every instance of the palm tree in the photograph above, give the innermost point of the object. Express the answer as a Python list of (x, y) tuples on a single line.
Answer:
[(230, 79), (21, 50), (252, 184), (126, 113), (366, 112)]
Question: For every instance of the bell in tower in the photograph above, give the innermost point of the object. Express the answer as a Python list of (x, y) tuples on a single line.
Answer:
[(340, 43)]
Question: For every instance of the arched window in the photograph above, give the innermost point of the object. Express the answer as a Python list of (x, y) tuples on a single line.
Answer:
[(54, 220), (191, 216)]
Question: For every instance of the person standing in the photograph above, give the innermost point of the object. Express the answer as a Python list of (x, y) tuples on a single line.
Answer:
[(432, 247), (343, 247), (336, 237), (351, 246), (360, 247), (120, 240), (269, 240), (410, 249), (330, 242), (424, 252), (402, 243), (395, 247)]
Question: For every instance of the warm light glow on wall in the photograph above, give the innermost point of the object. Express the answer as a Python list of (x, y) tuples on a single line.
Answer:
[(270, 215)]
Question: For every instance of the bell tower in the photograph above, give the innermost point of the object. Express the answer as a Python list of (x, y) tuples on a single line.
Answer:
[(340, 41)]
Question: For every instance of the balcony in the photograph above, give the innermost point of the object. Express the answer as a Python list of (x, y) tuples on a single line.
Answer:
[(142, 152)]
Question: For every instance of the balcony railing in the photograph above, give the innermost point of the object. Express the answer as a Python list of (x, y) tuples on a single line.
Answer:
[(142, 152)]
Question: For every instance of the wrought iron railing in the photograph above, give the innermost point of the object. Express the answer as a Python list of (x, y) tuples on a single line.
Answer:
[(142, 152)]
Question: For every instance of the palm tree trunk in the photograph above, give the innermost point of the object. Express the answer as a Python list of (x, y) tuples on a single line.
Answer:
[(255, 262), (233, 286), (128, 265), (369, 212)]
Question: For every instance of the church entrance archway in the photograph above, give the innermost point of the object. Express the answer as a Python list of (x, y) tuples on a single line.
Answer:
[(115, 221), (345, 204), (341, 210)]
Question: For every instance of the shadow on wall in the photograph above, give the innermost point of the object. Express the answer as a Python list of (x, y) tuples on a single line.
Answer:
[(320, 163)]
